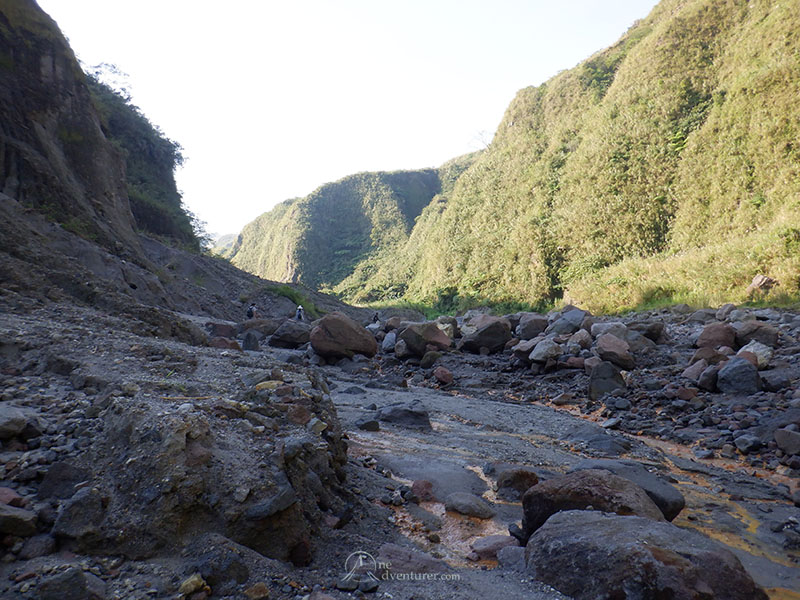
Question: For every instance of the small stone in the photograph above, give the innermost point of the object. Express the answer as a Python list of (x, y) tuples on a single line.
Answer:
[(10, 497), (368, 424), (316, 425), (443, 375), (17, 521), (469, 504), (747, 443), (240, 493), (195, 583), (564, 398), (258, 591)]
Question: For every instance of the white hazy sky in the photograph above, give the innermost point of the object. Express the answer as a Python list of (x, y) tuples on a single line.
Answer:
[(271, 99)]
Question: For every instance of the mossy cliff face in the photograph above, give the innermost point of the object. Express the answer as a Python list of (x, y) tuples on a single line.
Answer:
[(664, 168), (54, 157)]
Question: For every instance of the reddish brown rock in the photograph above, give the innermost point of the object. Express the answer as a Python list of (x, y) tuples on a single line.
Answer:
[(716, 335), (710, 355), (10, 497), (225, 330), (224, 343), (442, 375), (614, 350), (337, 335), (298, 414), (513, 483), (423, 489)]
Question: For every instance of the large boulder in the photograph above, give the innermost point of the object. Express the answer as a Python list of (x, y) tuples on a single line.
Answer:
[(589, 555), (568, 322), (668, 499), (544, 350), (599, 489), (616, 328), (291, 334), (716, 335), (531, 325), (419, 336), (492, 334), (615, 350), (338, 336)]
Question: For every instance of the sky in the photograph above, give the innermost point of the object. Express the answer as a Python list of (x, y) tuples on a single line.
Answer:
[(271, 99)]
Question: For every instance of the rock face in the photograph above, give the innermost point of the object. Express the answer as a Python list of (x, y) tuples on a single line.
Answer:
[(602, 490), (337, 335), (54, 150), (589, 555), (158, 477)]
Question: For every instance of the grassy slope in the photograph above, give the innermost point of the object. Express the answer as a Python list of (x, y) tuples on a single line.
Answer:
[(664, 167)]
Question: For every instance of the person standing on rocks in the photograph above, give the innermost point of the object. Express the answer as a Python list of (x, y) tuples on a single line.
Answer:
[(252, 311), (299, 314)]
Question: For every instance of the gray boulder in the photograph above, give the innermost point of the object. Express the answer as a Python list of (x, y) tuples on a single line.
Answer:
[(544, 350), (531, 325), (492, 334), (738, 376), (633, 557), (406, 414), (12, 421), (568, 323), (604, 379)]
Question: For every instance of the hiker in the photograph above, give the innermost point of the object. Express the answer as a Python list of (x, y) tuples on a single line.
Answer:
[(376, 319), (252, 311), (299, 314)]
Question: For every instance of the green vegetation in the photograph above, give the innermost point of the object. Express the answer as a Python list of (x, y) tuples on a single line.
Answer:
[(335, 237), (663, 169), (150, 162)]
